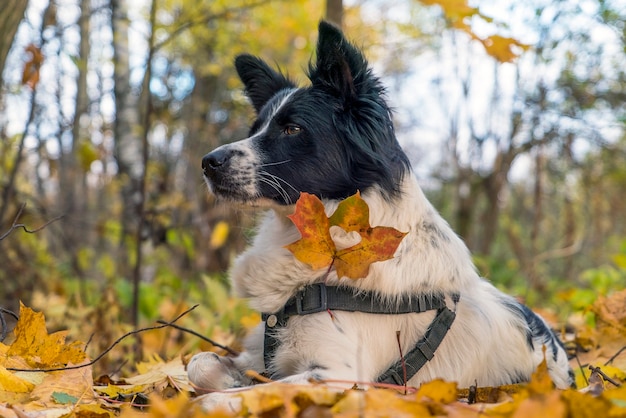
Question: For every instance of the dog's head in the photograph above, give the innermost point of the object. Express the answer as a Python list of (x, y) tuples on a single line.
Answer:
[(330, 139)]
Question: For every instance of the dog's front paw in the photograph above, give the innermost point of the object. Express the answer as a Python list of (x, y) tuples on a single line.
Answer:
[(210, 372)]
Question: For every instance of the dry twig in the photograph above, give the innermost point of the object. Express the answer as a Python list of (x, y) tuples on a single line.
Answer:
[(15, 225), (192, 332), (3, 322), (105, 352)]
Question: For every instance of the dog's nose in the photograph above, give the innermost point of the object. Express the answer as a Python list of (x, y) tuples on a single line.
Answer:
[(214, 159)]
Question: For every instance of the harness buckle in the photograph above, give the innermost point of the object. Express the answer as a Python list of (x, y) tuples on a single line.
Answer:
[(312, 299)]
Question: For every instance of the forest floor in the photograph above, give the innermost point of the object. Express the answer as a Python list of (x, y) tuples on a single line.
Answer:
[(42, 375)]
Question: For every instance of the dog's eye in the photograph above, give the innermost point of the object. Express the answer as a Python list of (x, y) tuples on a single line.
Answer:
[(292, 130)]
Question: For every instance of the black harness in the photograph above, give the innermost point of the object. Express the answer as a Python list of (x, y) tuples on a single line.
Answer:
[(319, 297)]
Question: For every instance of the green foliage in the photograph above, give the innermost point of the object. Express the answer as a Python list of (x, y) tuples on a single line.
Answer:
[(598, 281), (562, 295)]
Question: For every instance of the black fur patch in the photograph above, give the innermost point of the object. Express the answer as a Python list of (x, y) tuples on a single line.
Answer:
[(329, 139), (537, 329)]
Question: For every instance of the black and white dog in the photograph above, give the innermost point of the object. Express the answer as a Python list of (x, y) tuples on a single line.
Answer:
[(331, 139)]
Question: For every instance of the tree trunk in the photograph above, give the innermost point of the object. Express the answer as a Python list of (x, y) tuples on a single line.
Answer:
[(127, 143), (334, 12), (10, 18), (466, 197), (72, 177), (493, 185)]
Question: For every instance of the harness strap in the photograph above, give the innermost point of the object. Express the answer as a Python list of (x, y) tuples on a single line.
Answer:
[(423, 351), (319, 297)]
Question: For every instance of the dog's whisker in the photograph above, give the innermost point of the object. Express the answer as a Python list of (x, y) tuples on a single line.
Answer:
[(276, 187), (280, 179), (275, 163), (274, 182)]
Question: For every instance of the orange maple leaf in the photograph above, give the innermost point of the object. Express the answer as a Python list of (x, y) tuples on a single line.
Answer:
[(30, 75), (317, 248)]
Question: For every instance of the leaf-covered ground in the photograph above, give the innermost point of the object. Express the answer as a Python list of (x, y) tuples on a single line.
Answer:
[(159, 388)]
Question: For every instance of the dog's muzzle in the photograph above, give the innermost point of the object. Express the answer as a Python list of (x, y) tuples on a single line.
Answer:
[(215, 162), (229, 172)]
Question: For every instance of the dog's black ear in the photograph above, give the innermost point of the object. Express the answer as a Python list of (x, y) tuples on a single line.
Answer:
[(260, 80), (340, 65)]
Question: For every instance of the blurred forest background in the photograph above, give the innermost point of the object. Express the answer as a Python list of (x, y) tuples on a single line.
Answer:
[(512, 113)]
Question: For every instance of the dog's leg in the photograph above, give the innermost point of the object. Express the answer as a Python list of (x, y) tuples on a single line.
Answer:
[(210, 372)]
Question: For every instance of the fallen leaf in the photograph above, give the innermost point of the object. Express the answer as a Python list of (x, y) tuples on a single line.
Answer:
[(90, 411), (159, 374), (438, 390), (9, 382), (611, 313), (77, 383), (179, 406), (381, 402), (549, 405), (540, 381), (585, 404), (63, 398), (617, 399), (290, 399), (39, 349)]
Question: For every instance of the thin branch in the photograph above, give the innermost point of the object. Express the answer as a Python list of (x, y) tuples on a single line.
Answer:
[(105, 352), (3, 322), (582, 370), (604, 376), (403, 361), (559, 252), (192, 332), (203, 20), (620, 351), (15, 225), (10, 186)]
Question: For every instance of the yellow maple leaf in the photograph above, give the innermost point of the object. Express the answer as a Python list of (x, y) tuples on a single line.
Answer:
[(178, 406), (617, 398), (438, 390), (458, 12), (37, 347), (503, 48), (550, 405), (265, 399), (9, 382), (92, 410), (593, 406), (385, 401), (540, 381), (454, 9), (113, 391), (159, 374)]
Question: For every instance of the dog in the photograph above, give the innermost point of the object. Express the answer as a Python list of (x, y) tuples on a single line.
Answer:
[(331, 139)]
